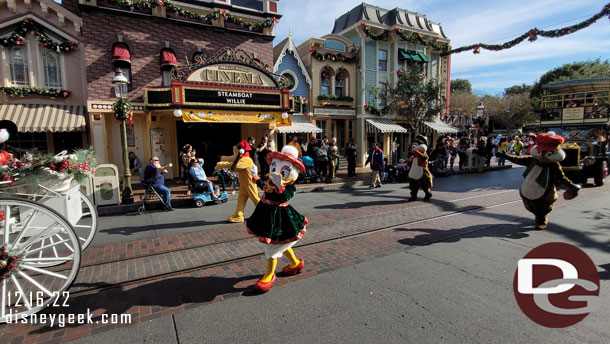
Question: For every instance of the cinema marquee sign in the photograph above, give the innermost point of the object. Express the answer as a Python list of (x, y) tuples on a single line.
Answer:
[(233, 74), (224, 86)]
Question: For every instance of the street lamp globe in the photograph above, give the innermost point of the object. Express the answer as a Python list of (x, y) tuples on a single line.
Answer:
[(120, 84)]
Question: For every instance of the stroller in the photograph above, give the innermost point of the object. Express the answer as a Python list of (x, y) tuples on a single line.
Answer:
[(309, 174), (149, 193)]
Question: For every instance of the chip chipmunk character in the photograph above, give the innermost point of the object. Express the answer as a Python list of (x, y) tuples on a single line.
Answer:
[(275, 222), (542, 174), (242, 163)]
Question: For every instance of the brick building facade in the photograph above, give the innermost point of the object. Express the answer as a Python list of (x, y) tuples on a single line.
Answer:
[(147, 37)]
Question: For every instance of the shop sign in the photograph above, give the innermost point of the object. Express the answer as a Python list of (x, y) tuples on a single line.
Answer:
[(573, 114), (231, 98), (334, 112), (215, 116), (232, 74)]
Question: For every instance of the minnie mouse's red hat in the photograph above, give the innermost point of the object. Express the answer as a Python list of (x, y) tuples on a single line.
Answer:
[(548, 142), (246, 147), (290, 154)]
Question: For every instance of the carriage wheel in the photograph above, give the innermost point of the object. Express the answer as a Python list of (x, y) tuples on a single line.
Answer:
[(31, 236), (86, 227)]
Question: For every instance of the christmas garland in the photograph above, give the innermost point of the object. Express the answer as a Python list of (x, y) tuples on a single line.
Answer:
[(26, 91), (29, 25), (372, 109), (332, 57), (173, 8), (377, 37), (9, 261), (533, 34), (122, 109), (335, 97)]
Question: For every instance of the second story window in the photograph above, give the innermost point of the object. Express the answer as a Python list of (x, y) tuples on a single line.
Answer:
[(121, 60), (18, 65), (168, 61), (325, 83), (382, 90), (382, 56), (340, 84), (52, 69)]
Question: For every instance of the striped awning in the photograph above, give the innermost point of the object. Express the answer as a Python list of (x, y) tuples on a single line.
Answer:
[(300, 124), (383, 125), (438, 126), (44, 118)]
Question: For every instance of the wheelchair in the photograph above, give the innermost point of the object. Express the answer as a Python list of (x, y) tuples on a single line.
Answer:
[(149, 194), (201, 197)]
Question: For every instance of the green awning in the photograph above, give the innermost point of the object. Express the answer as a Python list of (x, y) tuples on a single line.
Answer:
[(410, 55), (423, 57)]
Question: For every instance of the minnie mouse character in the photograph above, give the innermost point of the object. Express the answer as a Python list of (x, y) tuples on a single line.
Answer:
[(419, 174), (542, 174), (275, 222)]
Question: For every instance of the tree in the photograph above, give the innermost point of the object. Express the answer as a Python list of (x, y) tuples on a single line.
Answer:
[(461, 85), (413, 98), (512, 110), (518, 90), (463, 103), (576, 70)]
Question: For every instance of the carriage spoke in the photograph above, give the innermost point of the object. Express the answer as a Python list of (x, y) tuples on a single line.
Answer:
[(54, 249), (43, 271), (81, 226), (33, 239), (24, 226), (41, 245), (47, 246), (36, 284), (7, 223), (68, 246), (3, 300), (48, 259), (25, 298), (86, 214)]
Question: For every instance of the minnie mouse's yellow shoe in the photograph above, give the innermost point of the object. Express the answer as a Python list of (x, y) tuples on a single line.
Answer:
[(288, 271), (264, 287)]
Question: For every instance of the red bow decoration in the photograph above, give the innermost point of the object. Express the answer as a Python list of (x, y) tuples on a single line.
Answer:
[(130, 117), (477, 50), (533, 33)]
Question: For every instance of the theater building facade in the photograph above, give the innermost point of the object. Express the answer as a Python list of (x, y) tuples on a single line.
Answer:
[(148, 43)]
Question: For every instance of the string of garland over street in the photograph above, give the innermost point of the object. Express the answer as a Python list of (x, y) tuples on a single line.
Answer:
[(533, 34)]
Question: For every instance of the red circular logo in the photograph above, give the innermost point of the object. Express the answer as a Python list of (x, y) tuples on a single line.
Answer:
[(556, 285)]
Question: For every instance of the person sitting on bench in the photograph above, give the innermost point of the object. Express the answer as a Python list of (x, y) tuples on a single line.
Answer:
[(201, 180)]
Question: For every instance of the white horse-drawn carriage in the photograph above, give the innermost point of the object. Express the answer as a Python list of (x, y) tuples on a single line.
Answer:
[(44, 227)]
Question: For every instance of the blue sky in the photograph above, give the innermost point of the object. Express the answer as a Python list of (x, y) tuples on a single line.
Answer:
[(467, 22)]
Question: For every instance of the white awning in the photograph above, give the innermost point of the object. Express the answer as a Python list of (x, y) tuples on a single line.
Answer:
[(383, 125), (40, 118), (300, 124), (438, 126)]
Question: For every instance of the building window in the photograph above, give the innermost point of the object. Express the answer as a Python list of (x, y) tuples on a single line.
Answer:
[(166, 73), (325, 83), (340, 84), (334, 45), (121, 61), (350, 129), (382, 56), (382, 90), (292, 83), (52, 68), (322, 125), (18, 66), (29, 141)]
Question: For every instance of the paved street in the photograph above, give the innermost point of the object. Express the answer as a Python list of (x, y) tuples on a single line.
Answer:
[(377, 270)]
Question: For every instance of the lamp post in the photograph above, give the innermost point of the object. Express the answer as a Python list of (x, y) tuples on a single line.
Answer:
[(120, 89)]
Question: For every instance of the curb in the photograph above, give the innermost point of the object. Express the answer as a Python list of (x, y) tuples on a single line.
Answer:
[(188, 203)]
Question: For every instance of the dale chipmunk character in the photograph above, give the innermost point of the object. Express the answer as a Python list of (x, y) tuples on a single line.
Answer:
[(419, 174), (543, 172), (275, 222), (241, 162)]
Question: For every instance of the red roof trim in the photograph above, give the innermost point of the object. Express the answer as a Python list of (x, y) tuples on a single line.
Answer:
[(120, 52)]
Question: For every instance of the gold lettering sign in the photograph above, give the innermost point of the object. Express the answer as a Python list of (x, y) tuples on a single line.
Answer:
[(227, 116), (573, 114), (231, 74)]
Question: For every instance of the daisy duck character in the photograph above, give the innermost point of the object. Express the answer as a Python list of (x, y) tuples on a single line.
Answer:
[(242, 163), (542, 174), (275, 222)]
